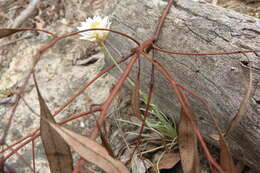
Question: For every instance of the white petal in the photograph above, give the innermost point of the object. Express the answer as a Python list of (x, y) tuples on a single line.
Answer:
[(96, 35)]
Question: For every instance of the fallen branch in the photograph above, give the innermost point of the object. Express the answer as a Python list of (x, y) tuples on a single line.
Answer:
[(197, 30)]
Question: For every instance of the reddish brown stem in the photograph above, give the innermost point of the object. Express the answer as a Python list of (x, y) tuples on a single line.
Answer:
[(185, 106), (206, 53), (101, 29), (162, 20), (33, 154), (105, 106), (36, 60), (86, 85), (203, 101), (146, 114), (37, 134), (73, 98), (33, 29)]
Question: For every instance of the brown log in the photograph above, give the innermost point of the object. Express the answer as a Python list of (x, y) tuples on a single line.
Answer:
[(219, 79)]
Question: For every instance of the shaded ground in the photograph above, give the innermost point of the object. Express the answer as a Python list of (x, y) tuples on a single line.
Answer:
[(250, 7)]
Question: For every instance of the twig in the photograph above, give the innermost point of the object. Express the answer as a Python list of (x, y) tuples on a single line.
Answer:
[(25, 14), (14, 41)]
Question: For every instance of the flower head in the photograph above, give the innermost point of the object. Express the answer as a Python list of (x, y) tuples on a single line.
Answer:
[(95, 22)]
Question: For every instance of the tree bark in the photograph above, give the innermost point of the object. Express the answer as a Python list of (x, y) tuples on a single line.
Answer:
[(219, 79)]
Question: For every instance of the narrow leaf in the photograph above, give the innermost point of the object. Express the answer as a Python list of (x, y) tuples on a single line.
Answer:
[(105, 142), (243, 106), (187, 142), (136, 98), (57, 150), (226, 161), (90, 150), (8, 31)]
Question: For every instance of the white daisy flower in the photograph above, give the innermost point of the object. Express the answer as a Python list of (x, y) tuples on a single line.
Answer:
[(95, 22)]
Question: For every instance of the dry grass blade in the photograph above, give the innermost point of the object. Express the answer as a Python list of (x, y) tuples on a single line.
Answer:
[(226, 161), (243, 106), (57, 150), (187, 142), (90, 150), (8, 31)]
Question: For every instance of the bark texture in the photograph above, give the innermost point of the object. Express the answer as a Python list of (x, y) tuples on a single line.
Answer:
[(198, 27)]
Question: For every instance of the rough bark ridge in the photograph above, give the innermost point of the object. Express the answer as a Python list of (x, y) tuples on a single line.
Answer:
[(198, 27)]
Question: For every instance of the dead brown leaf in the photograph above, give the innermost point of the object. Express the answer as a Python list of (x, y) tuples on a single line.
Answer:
[(57, 150), (169, 160), (1, 166), (243, 106), (187, 142), (226, 161), (8, 31), (90, 150)]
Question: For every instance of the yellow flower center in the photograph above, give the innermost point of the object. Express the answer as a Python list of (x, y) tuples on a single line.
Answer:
[(95, 24)]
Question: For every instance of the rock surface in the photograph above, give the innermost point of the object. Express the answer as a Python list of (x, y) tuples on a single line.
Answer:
[(60, 73)]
